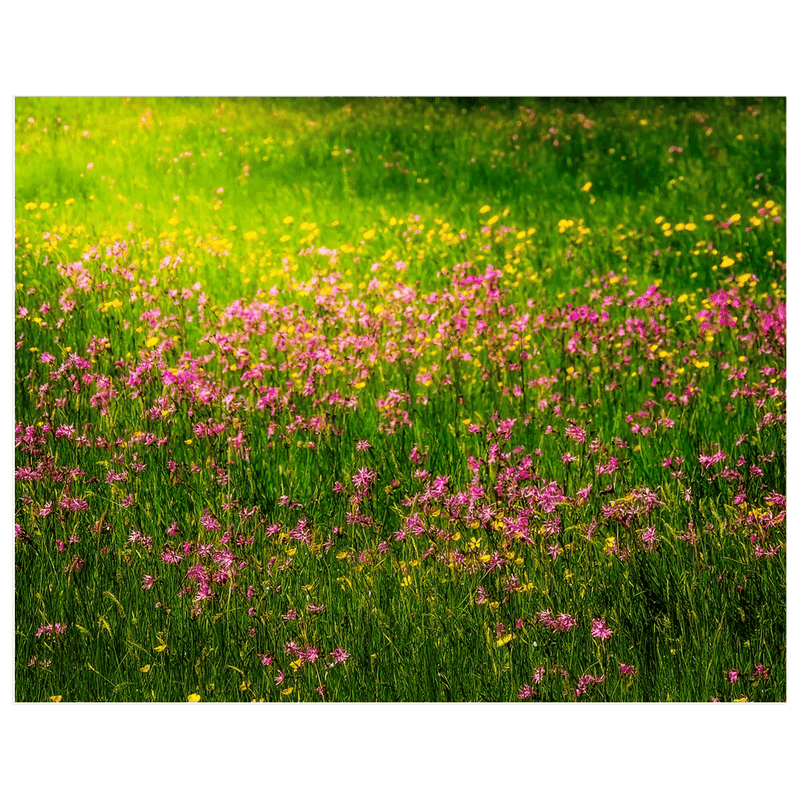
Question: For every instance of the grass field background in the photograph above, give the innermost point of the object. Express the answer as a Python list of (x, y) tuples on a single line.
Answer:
[(400, 400)]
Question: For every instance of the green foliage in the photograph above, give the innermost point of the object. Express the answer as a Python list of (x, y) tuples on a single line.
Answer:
[(362, 228)]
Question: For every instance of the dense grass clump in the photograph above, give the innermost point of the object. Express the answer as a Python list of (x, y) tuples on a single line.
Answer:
[(400, 400)]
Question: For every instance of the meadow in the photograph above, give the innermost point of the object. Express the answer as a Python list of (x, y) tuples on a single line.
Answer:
[(330, 400)]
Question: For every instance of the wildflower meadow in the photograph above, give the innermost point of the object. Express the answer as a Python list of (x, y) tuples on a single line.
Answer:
[(329, 400)]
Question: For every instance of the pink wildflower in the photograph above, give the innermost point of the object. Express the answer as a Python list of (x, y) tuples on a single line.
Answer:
[(363, 478), (585, 682), (649, 538), (600, 630), (761, 672)]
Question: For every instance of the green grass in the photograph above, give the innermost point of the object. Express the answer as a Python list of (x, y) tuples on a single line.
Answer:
[(609, 220)]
